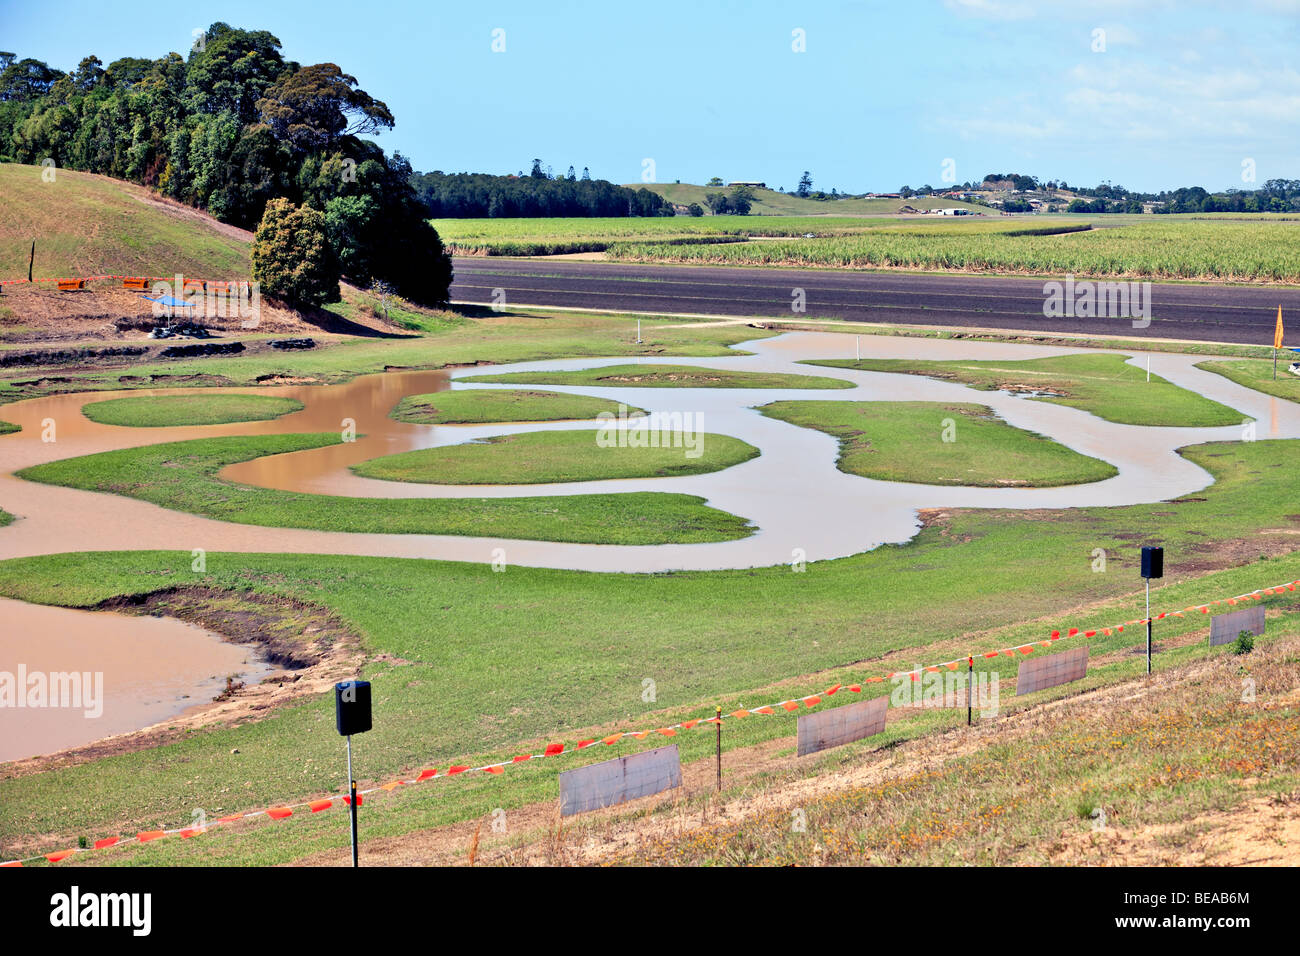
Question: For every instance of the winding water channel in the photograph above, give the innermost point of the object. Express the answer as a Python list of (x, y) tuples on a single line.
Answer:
[(801, 504), (793, 493)]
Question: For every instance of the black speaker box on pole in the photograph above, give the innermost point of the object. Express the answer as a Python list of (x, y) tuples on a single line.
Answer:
[(352, 707), (1153, 563)]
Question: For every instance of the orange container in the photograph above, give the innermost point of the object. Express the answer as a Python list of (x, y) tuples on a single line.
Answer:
[(69, 285)]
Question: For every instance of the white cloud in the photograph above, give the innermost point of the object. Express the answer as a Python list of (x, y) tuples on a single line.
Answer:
[(1114, 100)]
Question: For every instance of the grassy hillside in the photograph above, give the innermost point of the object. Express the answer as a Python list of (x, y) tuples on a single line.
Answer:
[(1181, 771), (769, 202), (85, 224)]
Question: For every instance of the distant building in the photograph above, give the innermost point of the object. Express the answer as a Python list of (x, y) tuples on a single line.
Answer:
[(746, 182)]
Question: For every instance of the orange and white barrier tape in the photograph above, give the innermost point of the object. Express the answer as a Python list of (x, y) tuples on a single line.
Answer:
[(189, 283), (281, 811)]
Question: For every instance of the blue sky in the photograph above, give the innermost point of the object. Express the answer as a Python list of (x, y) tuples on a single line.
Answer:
[(1182, 93)]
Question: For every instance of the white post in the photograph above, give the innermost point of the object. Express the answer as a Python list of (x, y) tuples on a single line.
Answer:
[(1148, 625), (638, 331), (352, 789), (857, 346)]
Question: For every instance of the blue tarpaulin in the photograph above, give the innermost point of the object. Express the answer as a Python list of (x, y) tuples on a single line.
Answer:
[(170, 301)]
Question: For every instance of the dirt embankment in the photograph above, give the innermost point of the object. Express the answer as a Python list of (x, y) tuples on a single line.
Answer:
[(30, 314)]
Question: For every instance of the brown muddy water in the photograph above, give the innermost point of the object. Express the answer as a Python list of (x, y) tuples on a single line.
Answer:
[(845, 514), (803, 507), (130, 673)]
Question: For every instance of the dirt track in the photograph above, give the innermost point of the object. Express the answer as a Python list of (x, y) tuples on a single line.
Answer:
[(1208, 313)]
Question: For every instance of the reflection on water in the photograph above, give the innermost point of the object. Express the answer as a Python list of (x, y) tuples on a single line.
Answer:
[(362, 407)]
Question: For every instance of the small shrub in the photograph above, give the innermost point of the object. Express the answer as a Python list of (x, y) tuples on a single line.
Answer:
[(292, 257), (1244, 644)]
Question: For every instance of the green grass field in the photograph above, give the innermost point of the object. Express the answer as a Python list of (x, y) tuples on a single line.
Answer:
[(478, 406), (904, 441), (1075, 340), (533, 237), (1261, 249), (538, 457), (169, 410), (664, 376), (1105, 385), (182, 476), (1258, 374), (493, 663), (1165, 248)]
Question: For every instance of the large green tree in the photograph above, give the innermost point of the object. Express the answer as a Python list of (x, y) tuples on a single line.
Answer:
[(25, 79), (315, 107), (229, 70)]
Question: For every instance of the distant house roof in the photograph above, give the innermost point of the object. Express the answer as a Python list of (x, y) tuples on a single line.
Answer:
[(747, 182)]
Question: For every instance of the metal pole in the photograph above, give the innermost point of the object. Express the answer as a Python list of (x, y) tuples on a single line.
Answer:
[(718, 717), (970, 687), (638, 331), (1148, 625), (352, 783)]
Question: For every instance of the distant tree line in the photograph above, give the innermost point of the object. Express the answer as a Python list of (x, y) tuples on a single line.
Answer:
[(229, 128), (1102, 204), (537, 194), (1276, 195)]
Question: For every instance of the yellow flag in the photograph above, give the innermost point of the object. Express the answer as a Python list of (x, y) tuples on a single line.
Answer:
[(1277, 334)]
